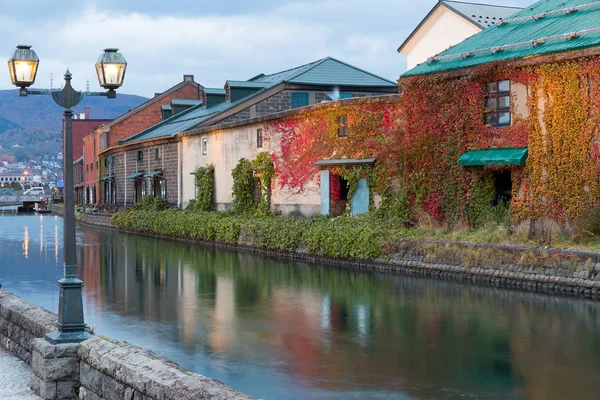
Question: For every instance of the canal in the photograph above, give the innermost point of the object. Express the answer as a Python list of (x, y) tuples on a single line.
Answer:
[(288, 330)]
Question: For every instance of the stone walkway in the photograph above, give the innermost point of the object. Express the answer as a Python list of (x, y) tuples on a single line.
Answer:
[(14, 378)]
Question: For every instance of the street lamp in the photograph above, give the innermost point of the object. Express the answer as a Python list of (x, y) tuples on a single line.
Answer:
[(111, 66)]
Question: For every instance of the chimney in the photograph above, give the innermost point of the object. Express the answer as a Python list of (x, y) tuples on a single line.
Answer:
[(87, 112), (157, 94), (188, 78)]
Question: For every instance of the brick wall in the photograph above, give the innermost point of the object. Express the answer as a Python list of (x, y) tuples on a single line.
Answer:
[(149, 115), (281, 102), (166, 162)]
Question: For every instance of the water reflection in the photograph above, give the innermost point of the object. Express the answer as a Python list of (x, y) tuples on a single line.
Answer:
[(289, 330), (330, 330)]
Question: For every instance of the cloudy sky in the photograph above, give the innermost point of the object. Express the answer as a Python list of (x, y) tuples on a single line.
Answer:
[(215, 41)]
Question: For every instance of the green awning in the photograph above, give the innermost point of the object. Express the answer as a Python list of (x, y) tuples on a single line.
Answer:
[(153, 174), (135, 175), (106, 178), (480, 158)]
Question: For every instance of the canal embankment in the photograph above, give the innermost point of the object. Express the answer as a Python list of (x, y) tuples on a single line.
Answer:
[(536, 269), (98, 368)]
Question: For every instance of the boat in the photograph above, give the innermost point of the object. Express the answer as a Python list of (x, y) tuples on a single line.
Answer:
[(42, 206)]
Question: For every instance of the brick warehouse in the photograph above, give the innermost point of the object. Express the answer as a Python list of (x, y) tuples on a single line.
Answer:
[(159, 172), (99, 188)]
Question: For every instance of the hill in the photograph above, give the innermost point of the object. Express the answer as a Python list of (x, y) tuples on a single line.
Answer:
[(30, 127), (33, 112)]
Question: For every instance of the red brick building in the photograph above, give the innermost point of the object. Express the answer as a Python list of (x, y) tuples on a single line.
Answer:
[(98, 186), (83, 125)]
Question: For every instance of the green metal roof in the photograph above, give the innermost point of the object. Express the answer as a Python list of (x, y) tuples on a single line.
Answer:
[(247, 84), (545, 27), (214, 91), (166, 107), (480, 158), (185, 102), (325, 72), (482, 15)]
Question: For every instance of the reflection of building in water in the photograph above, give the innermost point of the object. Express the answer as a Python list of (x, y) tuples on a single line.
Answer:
[(88, 266), (41, 236), (56, 244), (26, 243), (187, 306), (222, 336)]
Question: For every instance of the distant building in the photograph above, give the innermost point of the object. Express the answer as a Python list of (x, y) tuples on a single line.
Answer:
[(83, 125), (20, 176), (447, 24)]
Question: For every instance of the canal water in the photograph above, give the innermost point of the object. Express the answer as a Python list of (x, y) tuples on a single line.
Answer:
[(288, 330)]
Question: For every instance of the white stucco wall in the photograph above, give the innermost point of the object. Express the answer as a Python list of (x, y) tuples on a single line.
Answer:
[(443, 29), (225, 148)]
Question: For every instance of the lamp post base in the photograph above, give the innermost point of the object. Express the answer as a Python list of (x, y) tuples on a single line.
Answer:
[(58, 337)]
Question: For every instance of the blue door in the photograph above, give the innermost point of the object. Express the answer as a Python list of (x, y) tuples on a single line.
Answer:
[(360, 199)]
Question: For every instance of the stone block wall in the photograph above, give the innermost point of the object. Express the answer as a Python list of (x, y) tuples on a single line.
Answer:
[(116, 370), (55, 369), (95, 218), (22, 322)]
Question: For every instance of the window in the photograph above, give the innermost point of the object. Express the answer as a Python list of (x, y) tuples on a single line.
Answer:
[(497, 103), (140, 155), (299, 99), (157, 153), (343, 129), (204, 146), (345, 96), (259, 138), (163, 189)]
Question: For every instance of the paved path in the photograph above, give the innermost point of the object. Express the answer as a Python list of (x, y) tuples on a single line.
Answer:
[(14, 378)]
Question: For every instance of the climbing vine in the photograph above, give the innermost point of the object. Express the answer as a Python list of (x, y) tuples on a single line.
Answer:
[(418, 138), (249, 176), (263, 171), (243, 186), (205, 187)]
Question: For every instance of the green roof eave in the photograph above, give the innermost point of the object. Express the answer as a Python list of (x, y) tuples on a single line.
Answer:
[(153, 174), (481, 158), (135, 175)]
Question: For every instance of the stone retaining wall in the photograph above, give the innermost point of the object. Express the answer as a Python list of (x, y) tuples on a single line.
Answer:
[(116, 370), (90, 218), (20, 323), (94, 218)]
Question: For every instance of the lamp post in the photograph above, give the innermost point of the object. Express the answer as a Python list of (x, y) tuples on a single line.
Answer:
[(110, 68)]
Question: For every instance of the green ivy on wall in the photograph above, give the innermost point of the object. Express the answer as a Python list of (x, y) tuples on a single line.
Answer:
[(243, 186), (205, 186), (264, 171)]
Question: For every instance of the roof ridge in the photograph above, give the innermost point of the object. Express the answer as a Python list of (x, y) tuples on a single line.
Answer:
[(152, 100), (161, 123), (346, 64), (298, 67), (481, 4)]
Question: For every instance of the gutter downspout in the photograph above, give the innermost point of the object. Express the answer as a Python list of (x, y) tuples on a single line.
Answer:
[(125, 180), (179, 171)]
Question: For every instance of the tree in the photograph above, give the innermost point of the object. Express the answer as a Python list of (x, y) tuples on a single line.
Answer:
[(15, 185)]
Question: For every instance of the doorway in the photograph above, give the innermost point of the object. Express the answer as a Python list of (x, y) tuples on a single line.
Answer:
[(503, 186)]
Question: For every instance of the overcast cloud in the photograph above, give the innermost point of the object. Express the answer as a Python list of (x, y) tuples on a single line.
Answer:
[(214, 41)]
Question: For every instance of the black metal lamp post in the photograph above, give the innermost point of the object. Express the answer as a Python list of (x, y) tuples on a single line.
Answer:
[(110, 69)]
